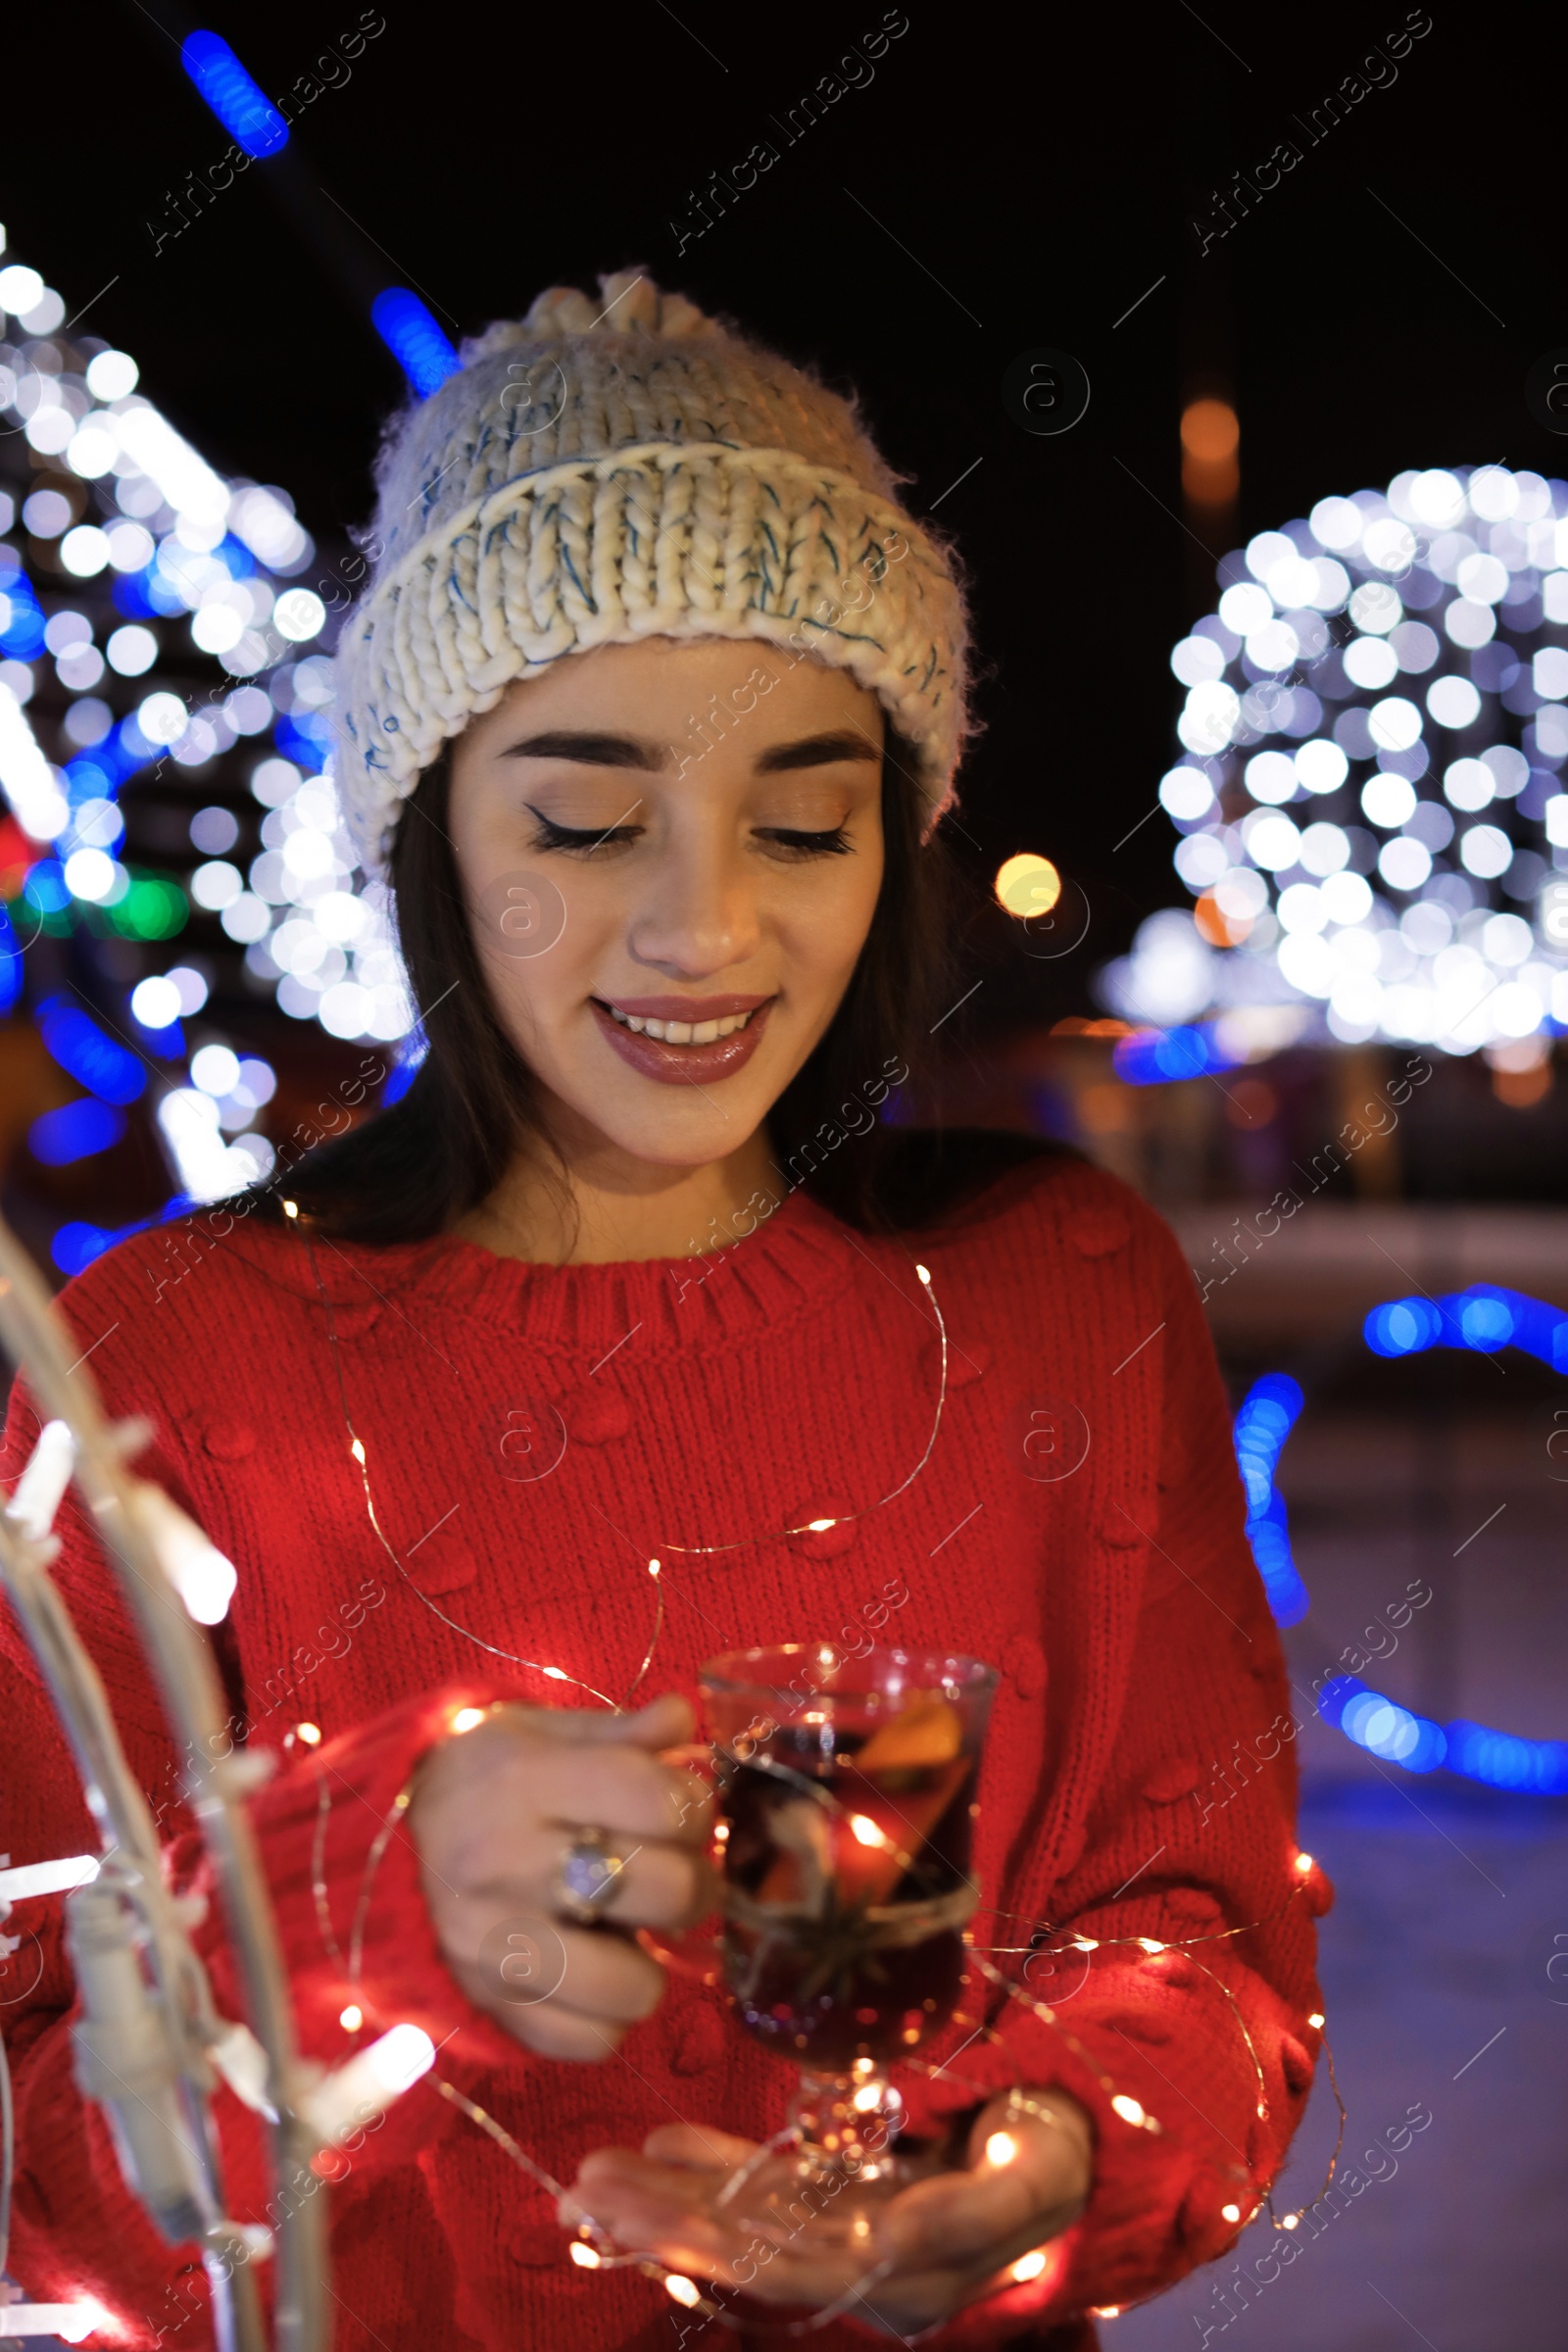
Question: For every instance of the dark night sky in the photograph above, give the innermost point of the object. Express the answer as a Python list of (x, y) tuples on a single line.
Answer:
[(1029, 181)]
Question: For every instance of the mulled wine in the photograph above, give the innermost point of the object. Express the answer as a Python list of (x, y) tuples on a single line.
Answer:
[(847, 1791)]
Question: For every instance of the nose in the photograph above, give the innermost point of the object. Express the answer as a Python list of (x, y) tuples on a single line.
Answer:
[(699, 915)]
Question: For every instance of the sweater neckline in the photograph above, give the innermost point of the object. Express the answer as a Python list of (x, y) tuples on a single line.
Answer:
[(795, 1263)]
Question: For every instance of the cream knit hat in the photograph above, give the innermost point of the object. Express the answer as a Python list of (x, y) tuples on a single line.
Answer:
[(599, 473)]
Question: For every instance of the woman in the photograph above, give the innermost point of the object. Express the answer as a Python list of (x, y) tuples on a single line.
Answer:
[(604, 1351)]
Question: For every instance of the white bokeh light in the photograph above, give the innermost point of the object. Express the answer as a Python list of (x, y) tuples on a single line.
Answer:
[(1377, 817)]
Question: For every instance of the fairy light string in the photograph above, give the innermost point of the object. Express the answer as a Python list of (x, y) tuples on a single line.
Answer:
[(594, 2249), (559, 1674)]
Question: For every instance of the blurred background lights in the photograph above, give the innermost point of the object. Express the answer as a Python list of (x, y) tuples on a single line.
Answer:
[(1398, 663), (244, 110), (1027, 885), (1210, 437)]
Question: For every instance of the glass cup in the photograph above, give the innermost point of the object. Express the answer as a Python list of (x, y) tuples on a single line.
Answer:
[(846, 1801)]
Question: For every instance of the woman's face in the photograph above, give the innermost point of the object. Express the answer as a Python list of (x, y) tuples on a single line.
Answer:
[(667, 930)]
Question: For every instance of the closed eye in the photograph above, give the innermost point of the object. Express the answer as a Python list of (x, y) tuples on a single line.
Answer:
[(831, 844), (580, 841), (783, 841)]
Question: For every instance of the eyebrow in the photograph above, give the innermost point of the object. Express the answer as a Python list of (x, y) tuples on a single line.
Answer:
[(592, 750)]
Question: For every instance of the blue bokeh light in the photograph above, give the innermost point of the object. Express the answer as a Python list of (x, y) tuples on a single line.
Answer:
[(10, 964), (414, 339), (22, 622), (1484, 1318), (1267, 1414), (88, 1053), (75, 1131), (240, 103), (1164, 1056)]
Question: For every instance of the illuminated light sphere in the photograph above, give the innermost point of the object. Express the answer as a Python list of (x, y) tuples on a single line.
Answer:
[(351, 2018), (132, 650), (583, 2255), (1129, 2109), (1271, 777), (1424, 720), (215, 1069), (682, 2290), (163, 717), (1230, 2212), (91, 874), (155, 1003), (1028, 2266), (1000, 2148), (112, 374), (299, 614), (309, 1733), (85, 551), (21, 289), (1186, 792), (1027, 885)]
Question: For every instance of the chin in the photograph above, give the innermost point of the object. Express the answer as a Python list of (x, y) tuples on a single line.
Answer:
[(679, 1135)]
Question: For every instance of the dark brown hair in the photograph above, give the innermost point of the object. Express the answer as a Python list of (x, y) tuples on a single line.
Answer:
[(412, 1170)]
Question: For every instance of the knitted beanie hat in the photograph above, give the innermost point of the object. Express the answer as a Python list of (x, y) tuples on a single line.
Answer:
[(600, 472)]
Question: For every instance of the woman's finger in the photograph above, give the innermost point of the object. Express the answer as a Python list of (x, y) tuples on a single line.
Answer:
[(524, 1961), (622, 1790), (698, 2145)]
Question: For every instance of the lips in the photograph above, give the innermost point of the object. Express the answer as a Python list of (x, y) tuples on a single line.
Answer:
[(672, 1063)]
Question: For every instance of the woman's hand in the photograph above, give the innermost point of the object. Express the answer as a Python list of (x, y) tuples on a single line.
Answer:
[(932, 2248), (493, 1813)]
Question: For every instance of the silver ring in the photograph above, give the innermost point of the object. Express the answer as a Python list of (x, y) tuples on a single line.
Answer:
[(585, 1876)]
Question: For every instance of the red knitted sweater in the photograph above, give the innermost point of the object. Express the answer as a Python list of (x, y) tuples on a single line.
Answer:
[(1078, 1524)]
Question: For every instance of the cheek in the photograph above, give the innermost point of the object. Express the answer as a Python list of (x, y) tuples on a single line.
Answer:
[(538, 938)]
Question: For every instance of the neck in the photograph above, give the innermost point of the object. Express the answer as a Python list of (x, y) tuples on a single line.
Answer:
[(609, 1206)]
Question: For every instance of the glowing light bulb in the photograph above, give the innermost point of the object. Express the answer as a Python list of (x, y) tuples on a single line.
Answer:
[(466, 1718), (308, 1732), (1290, 2221), (1104, 2311), (1028, 2266), (1304, 1863), (1000, 2148), (864, 1828), (1152, 1943), (924, 1273), (1086, 1943), (555, 1674), (1128, 2109), (653, 1567), (351, 2018), (291, 1208), (865, 2098), (584, 2256), (1316, 2020), (1230, 2212), (681, 2290), (819, 1526), (358, 1451)]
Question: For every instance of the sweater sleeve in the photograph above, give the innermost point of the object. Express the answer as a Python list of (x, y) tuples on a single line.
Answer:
[(344, 1878), (1174, 1993)]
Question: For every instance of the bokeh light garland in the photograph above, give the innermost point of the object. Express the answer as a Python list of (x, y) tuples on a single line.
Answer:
[(134, 558), (1482, 1318)]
